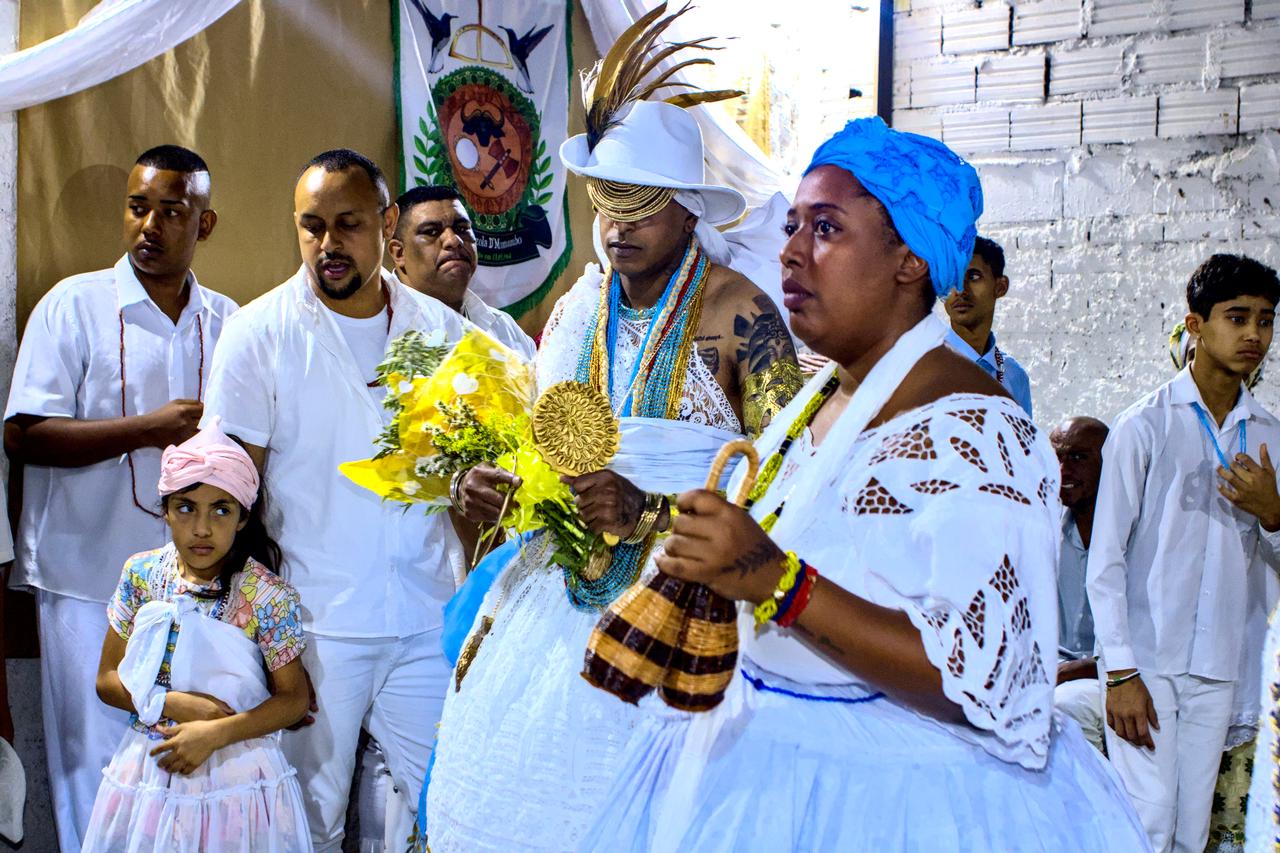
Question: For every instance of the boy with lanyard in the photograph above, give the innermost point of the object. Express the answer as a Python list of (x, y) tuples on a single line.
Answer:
[(1187, 510), (972, 312)]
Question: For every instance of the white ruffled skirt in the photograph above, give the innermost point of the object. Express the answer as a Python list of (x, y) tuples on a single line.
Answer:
[(527, 749), (803, 775), (244, 799)]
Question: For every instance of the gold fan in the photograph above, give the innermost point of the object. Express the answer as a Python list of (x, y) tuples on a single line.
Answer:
[(574, 428)]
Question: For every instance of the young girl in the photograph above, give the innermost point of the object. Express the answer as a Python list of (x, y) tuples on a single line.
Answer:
[(204, 648)]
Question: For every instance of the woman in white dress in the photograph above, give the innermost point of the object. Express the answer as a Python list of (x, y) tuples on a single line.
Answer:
[(893, 692)]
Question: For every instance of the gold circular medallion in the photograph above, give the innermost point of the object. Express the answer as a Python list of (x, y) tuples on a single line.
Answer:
[(574, 428)]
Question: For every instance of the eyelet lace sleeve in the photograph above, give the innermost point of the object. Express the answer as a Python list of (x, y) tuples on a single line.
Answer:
[(955, 512)]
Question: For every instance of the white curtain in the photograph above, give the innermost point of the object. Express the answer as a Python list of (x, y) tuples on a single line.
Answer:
[(732, 158), (114, 37)]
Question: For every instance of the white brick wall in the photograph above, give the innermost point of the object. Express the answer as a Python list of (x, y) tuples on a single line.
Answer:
[(1120, 143)]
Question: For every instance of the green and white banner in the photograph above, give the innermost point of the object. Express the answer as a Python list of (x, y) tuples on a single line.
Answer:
[(482, 97)]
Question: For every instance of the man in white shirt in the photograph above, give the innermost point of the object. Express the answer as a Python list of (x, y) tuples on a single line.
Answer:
[(111, 370), (972, 313), (434, 252), (1187, 512), (294, 379), (1078, 445)]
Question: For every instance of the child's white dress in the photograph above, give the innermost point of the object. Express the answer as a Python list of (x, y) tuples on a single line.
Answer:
[(245, 797)]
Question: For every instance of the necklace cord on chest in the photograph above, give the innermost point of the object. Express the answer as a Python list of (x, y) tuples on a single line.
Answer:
[(133, 474)]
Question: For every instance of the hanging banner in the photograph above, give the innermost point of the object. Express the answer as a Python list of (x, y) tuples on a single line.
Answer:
[(482, 97)]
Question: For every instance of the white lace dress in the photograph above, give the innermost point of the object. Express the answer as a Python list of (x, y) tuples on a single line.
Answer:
[(949, 514), (527, 749)]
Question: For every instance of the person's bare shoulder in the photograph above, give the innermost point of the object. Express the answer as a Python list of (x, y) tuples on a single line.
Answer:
[(730, 292), (939, 374)]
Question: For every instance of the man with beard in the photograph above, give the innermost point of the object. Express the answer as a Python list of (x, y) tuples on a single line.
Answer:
[(1078, 445), (111, 370), (294, 379)]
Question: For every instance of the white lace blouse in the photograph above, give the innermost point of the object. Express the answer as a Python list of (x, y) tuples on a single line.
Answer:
[(948, 513), (702, 402)]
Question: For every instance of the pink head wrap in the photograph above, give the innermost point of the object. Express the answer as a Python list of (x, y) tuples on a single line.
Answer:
[(210, 457)]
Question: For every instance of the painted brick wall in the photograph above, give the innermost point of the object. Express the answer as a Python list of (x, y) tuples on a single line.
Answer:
[(1120, 142)]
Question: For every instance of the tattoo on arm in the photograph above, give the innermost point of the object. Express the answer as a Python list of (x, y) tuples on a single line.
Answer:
[(764, 554), (821, 641), (767, 364)]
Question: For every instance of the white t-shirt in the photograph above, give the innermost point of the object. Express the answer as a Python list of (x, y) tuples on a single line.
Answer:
[(79, 525), (285, 379), (366, 338)]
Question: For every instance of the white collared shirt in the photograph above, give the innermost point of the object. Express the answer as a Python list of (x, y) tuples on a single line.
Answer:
[(285, 379), (1075, 621), (498, 324), (1174, 568), (80, 525)]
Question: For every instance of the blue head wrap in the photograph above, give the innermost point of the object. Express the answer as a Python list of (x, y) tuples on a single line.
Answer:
[(933, 197)]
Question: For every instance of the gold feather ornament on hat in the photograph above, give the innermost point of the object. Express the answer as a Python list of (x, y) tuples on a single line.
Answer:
[(619, 80)]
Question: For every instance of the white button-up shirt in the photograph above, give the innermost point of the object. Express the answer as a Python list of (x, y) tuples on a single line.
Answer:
[(284, 379), (499, 325), (79, 525), (1174, 567)]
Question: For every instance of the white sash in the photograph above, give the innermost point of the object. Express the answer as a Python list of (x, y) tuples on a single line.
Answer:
[(665, 456), (210, 657)]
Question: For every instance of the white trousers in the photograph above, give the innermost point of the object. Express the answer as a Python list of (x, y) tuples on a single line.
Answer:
[(80, 732), (1172, 785), (1081, 700), (395, 688)]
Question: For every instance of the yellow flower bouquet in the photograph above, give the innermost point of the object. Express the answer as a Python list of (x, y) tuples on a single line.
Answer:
[(454, 407)]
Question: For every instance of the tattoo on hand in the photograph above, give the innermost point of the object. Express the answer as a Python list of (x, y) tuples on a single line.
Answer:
[(761, 555)]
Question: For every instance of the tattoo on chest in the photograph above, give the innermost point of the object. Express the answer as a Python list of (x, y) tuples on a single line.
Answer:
[(711, 358)]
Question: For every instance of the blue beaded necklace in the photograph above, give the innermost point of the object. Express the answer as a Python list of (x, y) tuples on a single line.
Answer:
[(653, 391)]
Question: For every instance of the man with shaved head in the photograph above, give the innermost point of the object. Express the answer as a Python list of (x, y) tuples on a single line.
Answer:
[(111, 370), (295, 380), (1078, 442)]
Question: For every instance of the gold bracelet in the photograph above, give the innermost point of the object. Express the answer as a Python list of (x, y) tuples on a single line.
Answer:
[(455, 485), (648, 517), (768, 608)]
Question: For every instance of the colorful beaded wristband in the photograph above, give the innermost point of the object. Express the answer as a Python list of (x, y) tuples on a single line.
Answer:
[(768, 608), (800, 600)]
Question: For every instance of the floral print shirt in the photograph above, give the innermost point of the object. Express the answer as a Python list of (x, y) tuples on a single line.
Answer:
[(261, 604)]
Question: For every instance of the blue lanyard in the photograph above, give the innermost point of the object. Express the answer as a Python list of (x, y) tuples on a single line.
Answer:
[(1213, 435)]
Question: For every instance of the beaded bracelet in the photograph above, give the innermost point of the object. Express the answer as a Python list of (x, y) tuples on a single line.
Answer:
[(766, 609), (1116, 682), (800, 600), (791, 596)]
